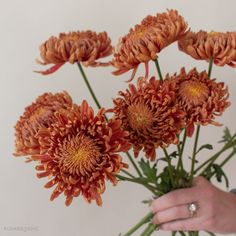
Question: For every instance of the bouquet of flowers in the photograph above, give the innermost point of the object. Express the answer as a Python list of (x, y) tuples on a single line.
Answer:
[(79, 150)]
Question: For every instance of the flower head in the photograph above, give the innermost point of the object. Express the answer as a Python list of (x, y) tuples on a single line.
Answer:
[(145, 40), (149, 113), (221, 47), (81, 153), (200, 97), (36, 116), (81, 46)]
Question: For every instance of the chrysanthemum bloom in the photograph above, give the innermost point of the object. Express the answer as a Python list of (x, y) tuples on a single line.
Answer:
[(81, 153), (145, 40), (221, 47), (150, 115), (36, 116), (85, 47), (199, 96)]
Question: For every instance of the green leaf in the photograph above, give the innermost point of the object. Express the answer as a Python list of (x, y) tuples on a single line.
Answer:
[(174, 154), (149, 171), (220, 174), (227, 136), (147, 201), (164, 181), (207, 174), (161, 159), (205, 146), (190, 158)]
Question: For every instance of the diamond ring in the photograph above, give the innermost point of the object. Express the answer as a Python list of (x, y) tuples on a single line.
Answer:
[(192, 208)]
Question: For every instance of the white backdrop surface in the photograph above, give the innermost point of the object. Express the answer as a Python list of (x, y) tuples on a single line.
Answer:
[(25, 208)]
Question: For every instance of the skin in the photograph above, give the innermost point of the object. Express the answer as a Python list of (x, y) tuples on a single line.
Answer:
[(216, 209)]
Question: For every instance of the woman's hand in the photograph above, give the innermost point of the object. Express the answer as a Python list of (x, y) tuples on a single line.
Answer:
[(216, 209)]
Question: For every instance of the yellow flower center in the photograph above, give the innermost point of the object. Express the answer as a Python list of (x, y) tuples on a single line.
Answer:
[(139, 116), (193, 92), (78, 155)]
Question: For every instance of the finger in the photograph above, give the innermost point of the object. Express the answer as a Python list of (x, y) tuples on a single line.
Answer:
[(175, 198), (170, 214), (191, 224)]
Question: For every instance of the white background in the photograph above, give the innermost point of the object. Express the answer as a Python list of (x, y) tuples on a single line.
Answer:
[(24, 25)]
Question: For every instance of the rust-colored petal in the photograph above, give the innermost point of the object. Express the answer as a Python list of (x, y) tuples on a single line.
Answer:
[(146, 39), (86, 47), (204, 46), (79, 152), (37, 116), (149, 113), (201, 98)]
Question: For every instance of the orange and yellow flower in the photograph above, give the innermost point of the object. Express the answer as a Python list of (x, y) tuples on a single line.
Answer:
[(36, 116), (145, 40), (81, 152), (201, 98), (150, 114), (221, 47), (81, 46)]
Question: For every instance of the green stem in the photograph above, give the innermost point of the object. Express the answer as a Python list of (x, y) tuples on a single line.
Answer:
[(127, 173), (149, 230), (142, 182), (158, 69), (134, 164), (194, 153), (210, 233), (143, 221), (173, 233), (214, 157), (224, 162), (180, 161), (198, 128), (89, 86), (99, 106), (210, 67), (169, 167), (182, 233), (228, 158)]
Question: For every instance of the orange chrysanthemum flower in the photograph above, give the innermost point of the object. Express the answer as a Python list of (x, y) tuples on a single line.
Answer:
[(199, 96), (36, 116), (81, 153), (150, 115), (85, 47), (147, 39), (204, 46)]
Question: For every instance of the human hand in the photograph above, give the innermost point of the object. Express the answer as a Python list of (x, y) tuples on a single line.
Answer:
[(216, 209)]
